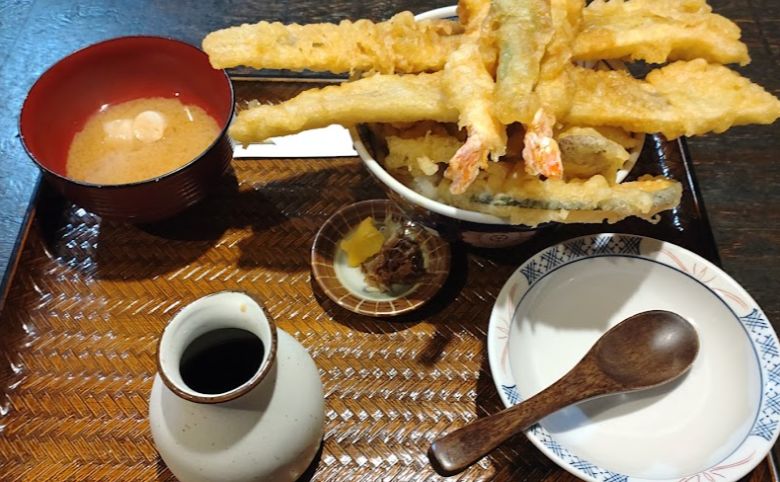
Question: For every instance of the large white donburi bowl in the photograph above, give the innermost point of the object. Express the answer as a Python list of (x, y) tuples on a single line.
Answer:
[(716, 423)]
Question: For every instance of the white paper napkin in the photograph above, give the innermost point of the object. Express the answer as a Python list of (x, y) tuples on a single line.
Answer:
[(331, 141)]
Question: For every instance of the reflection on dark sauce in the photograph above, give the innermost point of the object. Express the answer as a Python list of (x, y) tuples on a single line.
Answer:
[(221, 360)]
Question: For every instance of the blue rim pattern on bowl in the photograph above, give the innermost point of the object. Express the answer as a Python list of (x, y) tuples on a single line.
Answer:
[(766, 426)]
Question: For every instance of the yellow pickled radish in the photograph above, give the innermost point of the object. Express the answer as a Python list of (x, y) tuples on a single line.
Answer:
[(362, 243)]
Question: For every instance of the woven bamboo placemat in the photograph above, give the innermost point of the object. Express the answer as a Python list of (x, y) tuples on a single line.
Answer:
[(89, 300)]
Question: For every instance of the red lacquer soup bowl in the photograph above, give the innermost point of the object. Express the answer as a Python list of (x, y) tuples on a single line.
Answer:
[(114, 71)]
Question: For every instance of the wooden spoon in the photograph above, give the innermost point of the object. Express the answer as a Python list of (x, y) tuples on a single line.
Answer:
[(642, 351)]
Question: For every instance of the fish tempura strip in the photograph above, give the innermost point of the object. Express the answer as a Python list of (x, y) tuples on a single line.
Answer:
[(378, 98), (397, 45), (469, 87), (683, 98), (650, 30), (524, 30), (533, 201), (658, 30)]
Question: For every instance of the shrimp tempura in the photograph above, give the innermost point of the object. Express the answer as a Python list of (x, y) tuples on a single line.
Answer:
[(469, 86), (554, 91)]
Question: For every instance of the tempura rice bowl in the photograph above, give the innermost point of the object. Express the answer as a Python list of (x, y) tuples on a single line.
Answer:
[(474, 227)]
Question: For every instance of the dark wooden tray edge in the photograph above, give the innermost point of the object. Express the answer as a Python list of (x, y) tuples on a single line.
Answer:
[(18, 245)]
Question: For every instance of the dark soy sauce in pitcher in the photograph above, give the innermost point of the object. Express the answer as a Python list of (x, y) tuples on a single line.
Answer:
[(220, 360)]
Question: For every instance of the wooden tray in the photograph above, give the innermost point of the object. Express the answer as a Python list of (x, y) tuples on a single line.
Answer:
[(90, 298)]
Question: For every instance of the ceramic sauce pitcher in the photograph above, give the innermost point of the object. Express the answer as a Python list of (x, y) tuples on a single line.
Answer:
[(235, 398)]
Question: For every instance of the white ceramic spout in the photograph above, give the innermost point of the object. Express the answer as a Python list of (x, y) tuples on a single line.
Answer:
[(267, 429), (208, 314)]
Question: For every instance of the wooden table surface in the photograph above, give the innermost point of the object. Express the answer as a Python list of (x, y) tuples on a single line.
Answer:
[(736, 171)]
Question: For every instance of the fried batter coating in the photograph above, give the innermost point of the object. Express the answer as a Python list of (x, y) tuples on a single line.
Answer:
[(586, 152), (658, 30), (378, 98), (420, 156), (471, 12), (622, 137), (566, 18), (473, 15), (555, 86), (524, 30), (683, 98), (399, 45)]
